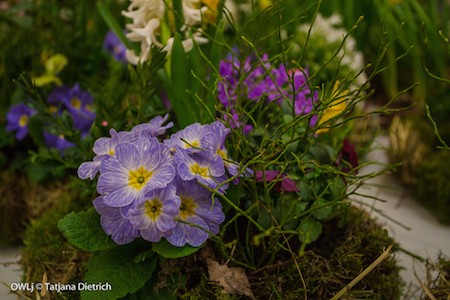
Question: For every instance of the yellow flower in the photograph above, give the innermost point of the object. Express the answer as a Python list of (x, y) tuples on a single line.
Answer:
[(210, 14), (53, 66), (263, 4), (336, 107)]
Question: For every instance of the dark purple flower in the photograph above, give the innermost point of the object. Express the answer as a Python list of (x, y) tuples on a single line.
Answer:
[(57, 141), (114, 223), (349, 156), (18, 118), (283, 184), (154, 216), (136, 169), (115, 47), (199, 215)]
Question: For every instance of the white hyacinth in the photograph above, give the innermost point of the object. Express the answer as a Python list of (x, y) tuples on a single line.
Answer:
[(147, 16)]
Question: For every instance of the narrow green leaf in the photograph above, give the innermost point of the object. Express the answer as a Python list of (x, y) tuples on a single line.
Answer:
[(83, 230), (118, 268), (113, 24), (167, 250), (183, 105)]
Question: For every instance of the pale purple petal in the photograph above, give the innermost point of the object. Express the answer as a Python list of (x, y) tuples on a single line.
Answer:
[(88, 170)]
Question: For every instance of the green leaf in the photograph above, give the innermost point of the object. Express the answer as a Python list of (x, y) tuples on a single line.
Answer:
[(118, 268), (309, 230), (35, 128), (83, 230), (323, 209), (167, 250)]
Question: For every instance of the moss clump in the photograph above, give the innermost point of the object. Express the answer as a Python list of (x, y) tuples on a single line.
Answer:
[(326, 267), (12, 208), (47, 254), (22, 201)]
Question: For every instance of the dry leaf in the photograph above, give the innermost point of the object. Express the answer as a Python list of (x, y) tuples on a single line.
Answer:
[(232, 280)]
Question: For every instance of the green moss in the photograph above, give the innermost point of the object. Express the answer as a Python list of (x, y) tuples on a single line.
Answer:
[(326, 267), (47, 254), (12, 208)]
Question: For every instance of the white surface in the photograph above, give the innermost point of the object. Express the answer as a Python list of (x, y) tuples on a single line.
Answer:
[(426, 237), (9, 271)]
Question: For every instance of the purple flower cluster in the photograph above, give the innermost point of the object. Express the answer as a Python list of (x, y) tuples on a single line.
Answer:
[(78, 103), (153, 188), (74, 100), (242, 81)]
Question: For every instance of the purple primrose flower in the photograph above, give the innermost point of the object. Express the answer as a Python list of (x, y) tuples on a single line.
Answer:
[(136, 169), (114, 223), (199, 215), (154, 215), (205, 167)]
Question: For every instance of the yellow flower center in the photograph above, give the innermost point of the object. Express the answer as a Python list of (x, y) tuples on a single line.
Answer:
[(222, 153), (138, 178), (199, 170), (111, 152), (75, 102), (187, 207), (192, 144), (153, 208), (23, 120)]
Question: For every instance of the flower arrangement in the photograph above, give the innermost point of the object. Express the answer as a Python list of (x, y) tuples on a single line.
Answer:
[(195, 142)]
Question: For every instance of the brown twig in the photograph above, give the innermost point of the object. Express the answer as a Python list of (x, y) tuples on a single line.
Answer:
[(363, 274)]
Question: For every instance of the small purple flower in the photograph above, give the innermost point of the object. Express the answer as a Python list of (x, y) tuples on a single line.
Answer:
[(18, 118), (114, 46), (234, 122), (136, 169), (154, 216), (114, 223), (192, 138), (205, 167), (57, 141), (199, 215)]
